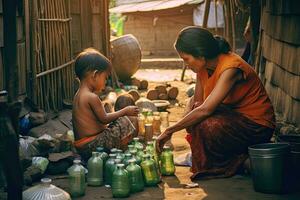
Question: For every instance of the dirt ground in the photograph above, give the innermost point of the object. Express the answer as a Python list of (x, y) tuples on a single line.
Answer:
[(173, 187)]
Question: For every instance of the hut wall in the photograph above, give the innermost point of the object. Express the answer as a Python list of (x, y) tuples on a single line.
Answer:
[(49, 36), (21, 53), (157, 31), (90, 26), (280, 64)]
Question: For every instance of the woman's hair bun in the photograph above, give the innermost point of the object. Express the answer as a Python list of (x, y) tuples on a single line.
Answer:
[(224, 46)]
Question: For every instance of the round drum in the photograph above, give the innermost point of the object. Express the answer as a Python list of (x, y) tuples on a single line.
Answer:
[(126, 56)]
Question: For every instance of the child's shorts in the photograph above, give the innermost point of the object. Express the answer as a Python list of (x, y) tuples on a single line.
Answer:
[(117, 135)]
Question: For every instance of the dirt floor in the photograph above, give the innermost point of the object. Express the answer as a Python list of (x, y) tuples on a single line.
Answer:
[(173, 187)]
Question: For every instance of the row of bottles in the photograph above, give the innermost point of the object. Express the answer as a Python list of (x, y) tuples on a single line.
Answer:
[(125, 172), (151, 123)]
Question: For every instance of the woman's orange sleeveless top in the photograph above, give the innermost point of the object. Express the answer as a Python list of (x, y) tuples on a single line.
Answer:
[(248, 96)]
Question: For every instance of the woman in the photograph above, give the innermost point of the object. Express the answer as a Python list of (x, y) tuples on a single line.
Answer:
[(229, 111)]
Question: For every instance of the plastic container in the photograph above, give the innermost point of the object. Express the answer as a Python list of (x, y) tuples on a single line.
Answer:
[(103, 155), (126, 159), (164, 118), (77, 179), (109, 169), (148, 132), (135, 175), (270, 167), (95, 170), (137, 159), (137, 144), (45, 191), (150, 173), (120, 182), (130, 148), (294, 141), (141, 122), (167, 162)]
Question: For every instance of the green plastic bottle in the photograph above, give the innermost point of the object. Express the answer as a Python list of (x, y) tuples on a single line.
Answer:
[(152, 151), (126, 159), (130, 147), (120, 182), (140, 152), (77, 179), (109, 168), (103, 155), (137, 143), (120, 154), (166, 161), (95, 170), (150, 173), (138, 160), (136, 181)]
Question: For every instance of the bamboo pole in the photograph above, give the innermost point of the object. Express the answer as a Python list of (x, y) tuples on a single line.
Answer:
[(232, 24), (206, 13)]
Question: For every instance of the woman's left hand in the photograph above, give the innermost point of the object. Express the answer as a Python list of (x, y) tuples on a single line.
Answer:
[(162, 139)]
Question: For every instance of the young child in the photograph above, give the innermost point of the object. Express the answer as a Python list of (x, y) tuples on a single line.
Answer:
[(94, 127)]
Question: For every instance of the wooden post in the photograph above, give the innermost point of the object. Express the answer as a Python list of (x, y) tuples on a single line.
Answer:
[(10, 48), (206, 13)]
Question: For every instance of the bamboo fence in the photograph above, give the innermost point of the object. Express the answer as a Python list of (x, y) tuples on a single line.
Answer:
[(52, 62)]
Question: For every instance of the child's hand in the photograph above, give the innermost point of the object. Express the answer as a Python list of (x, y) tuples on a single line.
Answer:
[(131, 111)]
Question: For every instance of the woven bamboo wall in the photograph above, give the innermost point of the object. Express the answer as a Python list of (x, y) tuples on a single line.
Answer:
[(280, 66), (55, 32)]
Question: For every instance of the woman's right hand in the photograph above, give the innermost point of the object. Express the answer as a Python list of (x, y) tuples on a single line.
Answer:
[(131, 111), (162, 139)]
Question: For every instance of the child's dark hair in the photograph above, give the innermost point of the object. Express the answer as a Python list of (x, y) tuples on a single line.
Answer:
[(123, 101), (198, 41), (89, 60)]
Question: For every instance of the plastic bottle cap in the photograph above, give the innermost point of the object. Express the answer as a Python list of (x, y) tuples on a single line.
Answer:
[(76, 161), (112, 155), (117, 161), (100, 149), (140, 147), (166, 147), (120, 165), (136, 139), (132, 160), (119, 151), (113, 150), (46, 180), (127, 154), (133, 151), (130, 145)]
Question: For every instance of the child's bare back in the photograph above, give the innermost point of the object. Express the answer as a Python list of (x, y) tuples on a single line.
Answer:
[(89, 116), (85, 121)]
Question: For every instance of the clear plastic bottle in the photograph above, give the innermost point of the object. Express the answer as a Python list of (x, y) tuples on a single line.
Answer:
[(77, 179), (95, 170), (45, 191)]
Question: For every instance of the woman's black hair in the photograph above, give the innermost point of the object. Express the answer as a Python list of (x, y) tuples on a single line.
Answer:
[(89, 60), (198, 41)]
